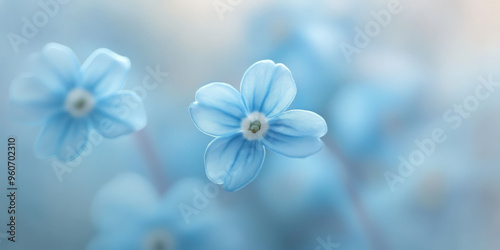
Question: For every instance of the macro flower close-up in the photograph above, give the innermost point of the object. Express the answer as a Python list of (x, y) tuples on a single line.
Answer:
[(72, 101), (250, 125), (247, 123)]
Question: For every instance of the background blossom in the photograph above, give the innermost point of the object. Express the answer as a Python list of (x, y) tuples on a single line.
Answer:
[(71, 100)]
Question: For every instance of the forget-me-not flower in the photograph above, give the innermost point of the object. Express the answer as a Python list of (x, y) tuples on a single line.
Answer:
[(312, 203), (247, 123), (72, 99), (129, 214), (384, 108)]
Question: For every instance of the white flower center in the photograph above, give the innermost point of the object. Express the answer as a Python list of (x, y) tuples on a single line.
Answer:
[(254, 126), (159, 240), (79, 102)]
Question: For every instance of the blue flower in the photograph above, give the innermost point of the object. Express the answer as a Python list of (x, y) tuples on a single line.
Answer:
[(70, 100), (306, 38), (130, 215), (431, 199), (313, 202), (247, 123)]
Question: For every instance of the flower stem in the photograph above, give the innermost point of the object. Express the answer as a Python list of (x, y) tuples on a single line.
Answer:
[(153, 162), (351, 168)]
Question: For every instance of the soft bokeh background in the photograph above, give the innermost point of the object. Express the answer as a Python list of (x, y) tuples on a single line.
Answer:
[(395, 91)]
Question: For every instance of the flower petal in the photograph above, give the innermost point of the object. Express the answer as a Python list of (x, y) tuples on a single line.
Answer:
[(58, 67), (31, 100), (104, 72), (119, 114), (63, 136), (295, 133), (233, 161), (268, 88), (218, 109)]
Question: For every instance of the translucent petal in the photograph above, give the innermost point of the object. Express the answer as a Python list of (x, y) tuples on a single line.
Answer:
[(268, 88), (58, 67), (119, 114), (104, 72), (63, 136), (31, 100), (233, 161), (218, 109), (295, 133)]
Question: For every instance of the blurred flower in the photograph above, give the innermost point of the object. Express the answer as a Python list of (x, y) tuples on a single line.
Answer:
[(71, 100), (373, 119), (307, 198), (245, 123), (362, 118), (305, 37), (130, 215), (440, 202)]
